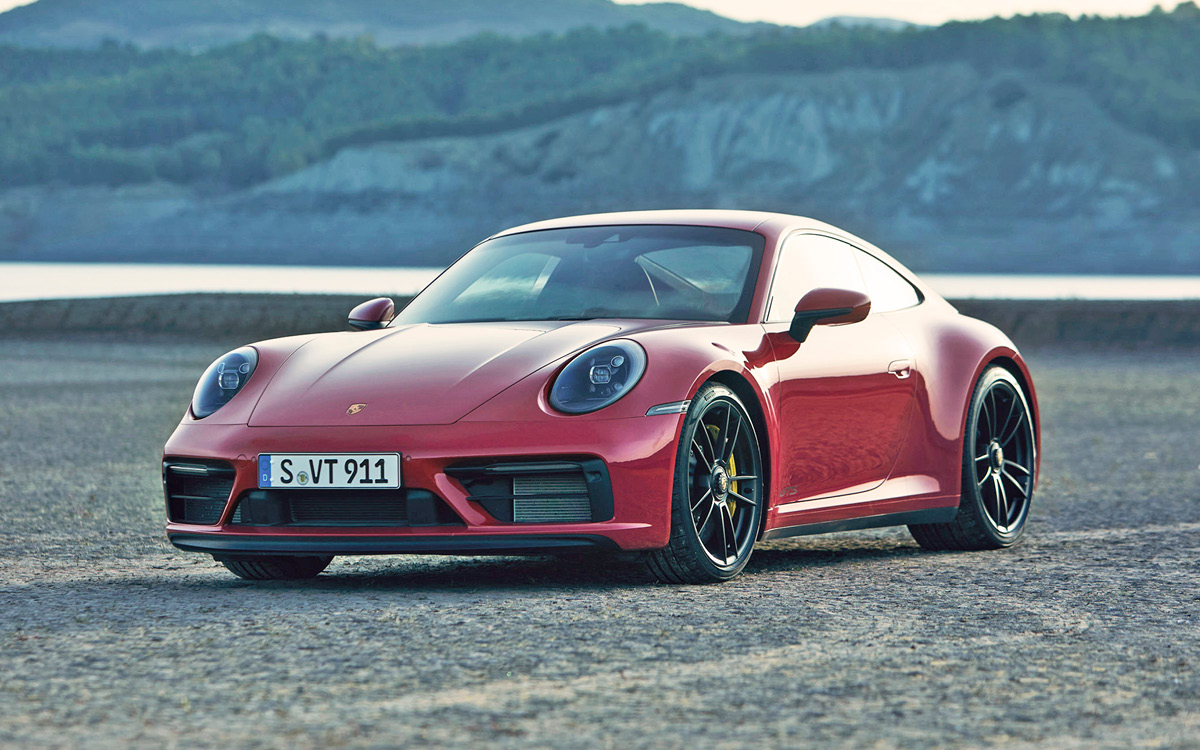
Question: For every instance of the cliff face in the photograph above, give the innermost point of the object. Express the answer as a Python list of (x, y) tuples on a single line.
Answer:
[(949, 169)]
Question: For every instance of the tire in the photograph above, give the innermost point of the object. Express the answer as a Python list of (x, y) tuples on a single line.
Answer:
[(277, 567), (999, 465), (718, 496)]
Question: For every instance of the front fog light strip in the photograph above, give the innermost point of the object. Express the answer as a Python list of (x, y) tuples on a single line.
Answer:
[(675, 407)]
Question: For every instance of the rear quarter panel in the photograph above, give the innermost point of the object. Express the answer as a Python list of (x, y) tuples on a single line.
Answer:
[(953, 350)]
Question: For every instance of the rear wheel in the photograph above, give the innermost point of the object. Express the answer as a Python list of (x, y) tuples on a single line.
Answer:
[(277, 567), (999, 462), (717, 503)]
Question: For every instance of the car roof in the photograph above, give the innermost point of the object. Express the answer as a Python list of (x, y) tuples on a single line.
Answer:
[(763, 221)]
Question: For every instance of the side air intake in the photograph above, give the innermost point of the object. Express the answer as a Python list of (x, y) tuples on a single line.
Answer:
[(560, 491)]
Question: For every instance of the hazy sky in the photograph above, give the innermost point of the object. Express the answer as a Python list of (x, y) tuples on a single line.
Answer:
[(801, 13)]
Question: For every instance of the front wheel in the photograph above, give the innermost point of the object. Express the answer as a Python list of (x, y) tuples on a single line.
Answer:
[(717, 503), (277, 567), (998, 469)]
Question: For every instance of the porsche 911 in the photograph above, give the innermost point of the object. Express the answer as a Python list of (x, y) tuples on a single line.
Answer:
[(669, 386)]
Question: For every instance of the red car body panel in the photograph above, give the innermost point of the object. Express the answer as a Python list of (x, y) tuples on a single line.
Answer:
[(862, 421)]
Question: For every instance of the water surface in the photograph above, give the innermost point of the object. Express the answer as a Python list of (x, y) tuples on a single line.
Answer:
[(31, 281)]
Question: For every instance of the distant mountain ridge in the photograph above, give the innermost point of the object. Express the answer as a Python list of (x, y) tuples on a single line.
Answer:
[(860, 22), (205, 23)]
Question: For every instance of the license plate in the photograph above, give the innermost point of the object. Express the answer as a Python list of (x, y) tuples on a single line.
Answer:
[(329, 471)]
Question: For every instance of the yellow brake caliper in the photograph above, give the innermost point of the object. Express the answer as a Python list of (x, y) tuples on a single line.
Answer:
[(733, 486)]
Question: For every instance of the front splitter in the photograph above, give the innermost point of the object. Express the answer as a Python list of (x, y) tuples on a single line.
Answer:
[(232, 545)]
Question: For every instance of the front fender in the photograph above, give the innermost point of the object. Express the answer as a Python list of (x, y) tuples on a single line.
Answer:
[(678, 361), (272, 353)]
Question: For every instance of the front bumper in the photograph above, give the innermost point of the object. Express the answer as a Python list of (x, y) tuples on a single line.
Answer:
[(639, 454)]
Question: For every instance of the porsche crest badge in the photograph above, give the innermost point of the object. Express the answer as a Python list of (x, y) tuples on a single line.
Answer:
[(355, 409)]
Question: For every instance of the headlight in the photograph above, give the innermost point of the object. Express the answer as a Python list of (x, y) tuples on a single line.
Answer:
[(222, 381), (598, 377)]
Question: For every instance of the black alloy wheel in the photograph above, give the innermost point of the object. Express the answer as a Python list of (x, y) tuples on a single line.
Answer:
[(998, 472), (1003, 460), (717, 505)]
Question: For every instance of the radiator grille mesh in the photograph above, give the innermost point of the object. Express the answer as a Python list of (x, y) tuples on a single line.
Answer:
[(558, 498), (349, 511)]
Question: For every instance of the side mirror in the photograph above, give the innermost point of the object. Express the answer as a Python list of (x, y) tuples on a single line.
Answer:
[(822, 307), (373, 315)]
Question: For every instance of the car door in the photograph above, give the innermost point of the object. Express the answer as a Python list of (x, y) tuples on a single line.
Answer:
[(844, 396)]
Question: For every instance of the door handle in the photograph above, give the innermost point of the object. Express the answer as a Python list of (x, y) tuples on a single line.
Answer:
[(901, 368)]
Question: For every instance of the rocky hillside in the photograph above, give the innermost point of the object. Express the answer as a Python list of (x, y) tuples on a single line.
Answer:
[(1037, 143), (192, 24), (950, 168)]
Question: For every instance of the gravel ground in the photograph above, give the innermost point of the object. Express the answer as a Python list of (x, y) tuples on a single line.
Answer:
[(1085, 635)]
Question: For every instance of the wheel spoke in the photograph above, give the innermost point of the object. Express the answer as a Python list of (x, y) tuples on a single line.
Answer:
[(990, 401), (724, 534), (744, 478), (743, 498), (706, 496), (731, 443), (1015, 429), (1001, 502), (712, 449), (1014, 465), (986, 476), (990, 489), (1020, 487), (984, 457), (1012, 409), (730, 533), (704, 524), (725, 432)]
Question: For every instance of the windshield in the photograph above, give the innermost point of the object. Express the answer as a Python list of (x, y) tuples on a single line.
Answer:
[(659, 272)]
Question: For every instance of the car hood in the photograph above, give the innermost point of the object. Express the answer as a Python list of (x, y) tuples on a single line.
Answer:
[(419, 374)]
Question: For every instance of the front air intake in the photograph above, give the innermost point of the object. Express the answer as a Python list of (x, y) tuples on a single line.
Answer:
[(551, 498), (551, 491), (197, 491), (364, 508)]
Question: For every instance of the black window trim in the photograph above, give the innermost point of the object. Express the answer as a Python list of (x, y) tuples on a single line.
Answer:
[(916, 290)]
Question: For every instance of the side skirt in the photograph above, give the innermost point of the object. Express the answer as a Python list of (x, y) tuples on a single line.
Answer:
[(931, 515)]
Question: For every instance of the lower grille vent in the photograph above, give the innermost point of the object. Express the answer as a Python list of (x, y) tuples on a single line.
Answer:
[(323, 512), (197, 490), (342, 508)]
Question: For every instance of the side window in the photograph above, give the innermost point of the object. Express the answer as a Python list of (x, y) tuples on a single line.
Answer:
[(807, 262), (887, 289)]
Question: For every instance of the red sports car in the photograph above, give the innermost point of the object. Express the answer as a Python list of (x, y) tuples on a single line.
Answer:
[(675, 384)]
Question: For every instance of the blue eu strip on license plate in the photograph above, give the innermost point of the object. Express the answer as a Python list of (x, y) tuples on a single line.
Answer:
[(329, 471)]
